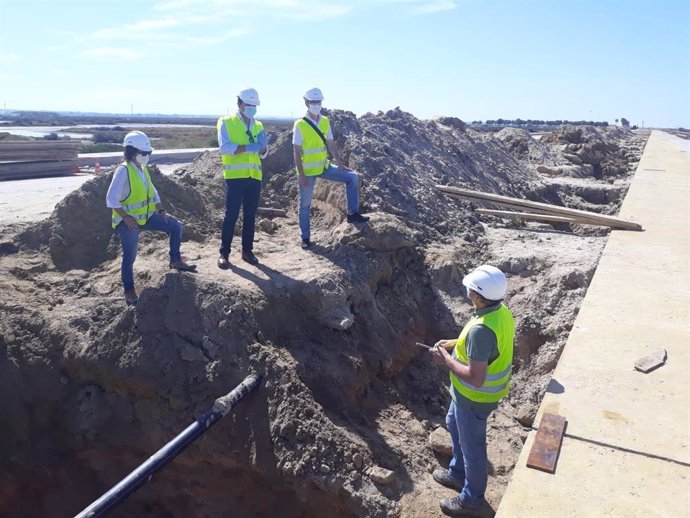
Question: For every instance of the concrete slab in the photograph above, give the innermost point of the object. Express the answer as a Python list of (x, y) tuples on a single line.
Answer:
[(582, 487), (627, 445)]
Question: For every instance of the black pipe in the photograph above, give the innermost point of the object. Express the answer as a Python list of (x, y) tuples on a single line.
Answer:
[(158, 460)]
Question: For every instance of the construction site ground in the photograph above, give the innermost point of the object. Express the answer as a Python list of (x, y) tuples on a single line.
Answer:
[(626, 452), (350, 417)]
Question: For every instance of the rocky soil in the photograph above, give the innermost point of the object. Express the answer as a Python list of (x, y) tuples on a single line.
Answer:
[(349, 408)]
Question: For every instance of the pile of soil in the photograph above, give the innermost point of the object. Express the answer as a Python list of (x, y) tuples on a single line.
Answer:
[(90, 387)]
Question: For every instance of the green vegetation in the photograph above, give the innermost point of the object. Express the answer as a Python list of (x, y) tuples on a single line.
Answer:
[(100, 148), (8, 137)]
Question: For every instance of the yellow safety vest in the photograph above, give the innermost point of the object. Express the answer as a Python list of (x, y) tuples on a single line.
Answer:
[(497, 383), (139, 204), (314, 152), (241, 165)]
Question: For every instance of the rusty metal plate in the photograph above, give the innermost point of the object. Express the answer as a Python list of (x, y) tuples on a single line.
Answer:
[(547, 444)]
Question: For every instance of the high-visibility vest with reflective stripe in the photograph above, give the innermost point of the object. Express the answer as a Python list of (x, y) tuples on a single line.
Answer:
[(139, 204), (241, 165), (497, 383), (314, 152)]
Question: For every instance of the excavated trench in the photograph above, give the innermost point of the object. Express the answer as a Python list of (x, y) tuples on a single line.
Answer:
[(90, 388)]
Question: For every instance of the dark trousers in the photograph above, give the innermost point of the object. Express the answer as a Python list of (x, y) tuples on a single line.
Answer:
[(245, 192)]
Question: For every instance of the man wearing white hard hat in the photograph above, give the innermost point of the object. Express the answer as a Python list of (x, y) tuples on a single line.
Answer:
[(312, 141), (480, 366), (243, 143), (136, 206)]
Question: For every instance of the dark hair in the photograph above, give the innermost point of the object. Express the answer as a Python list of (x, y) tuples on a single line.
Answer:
[(130, 153), (486, 301)]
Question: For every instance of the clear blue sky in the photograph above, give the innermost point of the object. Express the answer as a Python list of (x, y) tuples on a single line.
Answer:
[(474, 59)]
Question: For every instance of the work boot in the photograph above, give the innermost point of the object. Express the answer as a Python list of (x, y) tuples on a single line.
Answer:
[(306, 244), (223, 262), (356, 217), (454, 507), (182, 266), (249, 257), (131, 297), (443, 477)]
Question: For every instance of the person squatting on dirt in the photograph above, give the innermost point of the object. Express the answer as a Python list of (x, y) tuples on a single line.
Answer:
[(243, 143), (480, 368), (136, 206), (312, 141)]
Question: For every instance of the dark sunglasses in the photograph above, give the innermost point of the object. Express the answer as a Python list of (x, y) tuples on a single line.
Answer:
[(144, 153), (251, 137)]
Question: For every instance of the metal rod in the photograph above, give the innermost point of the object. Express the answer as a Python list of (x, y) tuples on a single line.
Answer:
[(158, 460)]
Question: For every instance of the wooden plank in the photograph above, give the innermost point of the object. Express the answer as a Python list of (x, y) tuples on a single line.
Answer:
[(544, 208), (507, 201), (267, 211), (19, 170), (37, 149), (579, 219), (28, 144), (651, 361), (525, 215), (547, 444)]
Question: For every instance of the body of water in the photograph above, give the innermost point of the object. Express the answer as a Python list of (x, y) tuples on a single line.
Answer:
[(42, 131)]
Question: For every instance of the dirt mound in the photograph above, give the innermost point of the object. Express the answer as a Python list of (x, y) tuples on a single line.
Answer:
[(91, 388), (577, 151), (402, 159), (601, 153)]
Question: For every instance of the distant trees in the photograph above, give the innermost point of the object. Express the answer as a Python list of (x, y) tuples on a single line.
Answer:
[(625, 122)]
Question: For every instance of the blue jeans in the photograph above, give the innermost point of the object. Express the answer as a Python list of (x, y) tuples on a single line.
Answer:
[(335, 174), (130, 240), (245, 192), (467, 427)]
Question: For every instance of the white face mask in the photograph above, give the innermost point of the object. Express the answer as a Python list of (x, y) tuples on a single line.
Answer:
[(314, 109), (143, 159)]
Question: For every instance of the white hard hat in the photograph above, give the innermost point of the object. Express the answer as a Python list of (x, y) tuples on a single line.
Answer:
[(313, 94), (138, 140), (488, 281), (249, 96)]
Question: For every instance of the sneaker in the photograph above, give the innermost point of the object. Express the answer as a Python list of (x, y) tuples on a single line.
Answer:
[(454, 507), (249, 257), (306, 244), (223, 262), (443, 477), (182, 266), (356, 217), (131, 297)]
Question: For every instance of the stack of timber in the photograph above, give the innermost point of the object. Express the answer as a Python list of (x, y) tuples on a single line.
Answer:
[(539, 211), (37, 158)]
